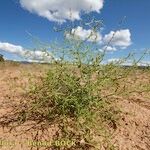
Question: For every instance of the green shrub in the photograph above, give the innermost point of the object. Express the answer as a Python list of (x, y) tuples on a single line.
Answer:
[(1, 58)]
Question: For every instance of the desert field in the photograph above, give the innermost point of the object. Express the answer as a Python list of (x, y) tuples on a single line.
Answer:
[(132, 131)]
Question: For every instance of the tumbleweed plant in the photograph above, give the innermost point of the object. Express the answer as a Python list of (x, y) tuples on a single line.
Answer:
[(77, 95)]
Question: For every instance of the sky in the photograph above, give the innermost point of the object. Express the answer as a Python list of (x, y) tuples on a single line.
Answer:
[(21, 20)]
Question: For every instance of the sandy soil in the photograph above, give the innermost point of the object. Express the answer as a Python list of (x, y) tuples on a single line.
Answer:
[(133, 130)]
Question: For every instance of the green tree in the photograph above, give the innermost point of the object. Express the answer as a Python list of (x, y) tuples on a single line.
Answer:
[(1, 58)]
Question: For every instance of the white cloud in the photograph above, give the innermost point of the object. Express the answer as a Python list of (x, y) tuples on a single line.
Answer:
[(83, 34), (113, 60), (144, 63), (61, 10), (20, 51), (128, 62), (121, 38), (11, 48), (108, 48)]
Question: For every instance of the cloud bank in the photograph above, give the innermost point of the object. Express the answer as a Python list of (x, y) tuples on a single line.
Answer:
[(120, 39), (128, 62), (61, 10), (30, 55)]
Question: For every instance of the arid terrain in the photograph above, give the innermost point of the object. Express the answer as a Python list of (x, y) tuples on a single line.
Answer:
[(133, 128)]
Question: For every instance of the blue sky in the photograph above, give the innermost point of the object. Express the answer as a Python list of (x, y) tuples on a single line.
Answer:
[(18, 17)]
